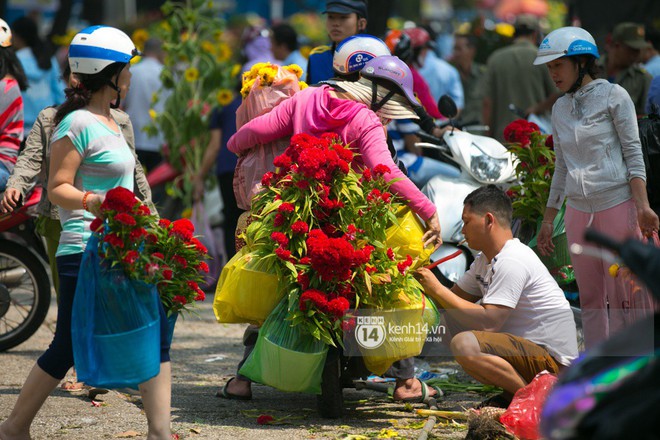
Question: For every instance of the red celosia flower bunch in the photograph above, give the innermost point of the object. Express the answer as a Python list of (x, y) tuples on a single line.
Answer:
[(152, 250), (323, 222), (519, 131), (534, 168)]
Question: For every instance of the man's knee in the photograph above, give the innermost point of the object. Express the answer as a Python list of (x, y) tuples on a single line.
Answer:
[(465, 345)]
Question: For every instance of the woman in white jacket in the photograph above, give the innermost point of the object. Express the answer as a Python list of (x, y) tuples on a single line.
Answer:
[(599, 170)]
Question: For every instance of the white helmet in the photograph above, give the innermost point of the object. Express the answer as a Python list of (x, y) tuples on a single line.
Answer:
[(5, 34), (565, 42), (353, 53), (96, 47)]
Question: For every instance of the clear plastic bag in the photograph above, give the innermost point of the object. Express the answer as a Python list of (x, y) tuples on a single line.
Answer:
[(252, 165)]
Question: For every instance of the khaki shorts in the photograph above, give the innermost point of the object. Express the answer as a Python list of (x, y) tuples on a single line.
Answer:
[(526, 357)]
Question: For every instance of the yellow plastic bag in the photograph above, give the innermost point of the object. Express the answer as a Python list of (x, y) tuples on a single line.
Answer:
[(244, 293), (405, 330), (407, 237)]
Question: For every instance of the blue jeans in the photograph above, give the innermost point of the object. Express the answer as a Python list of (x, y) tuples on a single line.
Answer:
[(4, 176)]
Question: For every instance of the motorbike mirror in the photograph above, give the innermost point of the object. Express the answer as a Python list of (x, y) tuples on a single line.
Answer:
[(447, 106)]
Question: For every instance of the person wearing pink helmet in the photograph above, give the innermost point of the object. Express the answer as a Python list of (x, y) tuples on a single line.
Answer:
[(357, 112)]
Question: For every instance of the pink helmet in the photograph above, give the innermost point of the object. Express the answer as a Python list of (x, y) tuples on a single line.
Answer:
[(393, 71)]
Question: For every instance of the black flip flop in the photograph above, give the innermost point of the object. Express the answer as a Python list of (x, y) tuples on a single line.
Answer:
[(225, 394)]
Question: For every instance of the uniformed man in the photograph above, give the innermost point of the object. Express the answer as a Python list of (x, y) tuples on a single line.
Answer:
[(344, 19), (622, 62)]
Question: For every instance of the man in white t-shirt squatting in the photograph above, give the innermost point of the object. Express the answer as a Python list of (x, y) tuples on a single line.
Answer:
[(524, 324)]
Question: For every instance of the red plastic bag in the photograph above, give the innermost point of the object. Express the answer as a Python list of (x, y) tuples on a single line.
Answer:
[(524, 414)]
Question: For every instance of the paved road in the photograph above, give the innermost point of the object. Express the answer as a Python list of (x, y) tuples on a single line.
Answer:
[(204, 355)]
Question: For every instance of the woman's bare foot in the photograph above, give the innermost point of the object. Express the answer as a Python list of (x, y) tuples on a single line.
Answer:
[(7, 434)]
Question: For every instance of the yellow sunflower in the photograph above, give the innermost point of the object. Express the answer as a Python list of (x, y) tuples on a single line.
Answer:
[(302, 84), (224, 52), (139, 37), (191, 74), (208, 47), (224, 97), (294, 68), (152, 113)]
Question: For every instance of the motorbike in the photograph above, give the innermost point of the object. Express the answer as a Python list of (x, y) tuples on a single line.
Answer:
[(477, 161), (24, 282)]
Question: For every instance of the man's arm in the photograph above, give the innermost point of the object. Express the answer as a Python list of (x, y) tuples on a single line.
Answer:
[(469, 315)]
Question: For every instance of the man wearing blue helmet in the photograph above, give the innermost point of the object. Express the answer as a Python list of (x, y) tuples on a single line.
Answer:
[(600, 171)]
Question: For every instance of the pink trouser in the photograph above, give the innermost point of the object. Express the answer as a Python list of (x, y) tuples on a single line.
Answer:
[(627, 301)]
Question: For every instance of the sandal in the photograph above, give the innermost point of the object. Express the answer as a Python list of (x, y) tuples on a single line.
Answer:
[(225, 394), (425, 394), (72, 386)]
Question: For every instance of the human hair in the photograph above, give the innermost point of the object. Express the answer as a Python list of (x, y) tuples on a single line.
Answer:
[(653, 37), (285, 34), (469, 38), (153, 46), (491, 199), (78, 97), (9, 65), (590, 67), (26, 29)]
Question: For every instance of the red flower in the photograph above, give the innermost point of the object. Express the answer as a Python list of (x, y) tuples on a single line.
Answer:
[(381, 169), (390, 254), (182, 228), (280, 238), (144, 210), (386, 197), (199, 246), (180, 261), (371, 269), (119, 199), (180, 299), (131, 257), (96, 224), (278, 220), (303, 280), (366, 174), (519, 131), (404, 265), (164, 223), (302, 184), (151, 268), (284, 254), (549, 142), (203, 267), (299, 227), (125, 219), (305, 260), (151, 238), (315, 297), (267, 178), (348, 325), (114, 240), (158, 255), (201, 296), (286, 207), (283, 161), (338, 306), (167, 273), (137, 234), (265, 419)]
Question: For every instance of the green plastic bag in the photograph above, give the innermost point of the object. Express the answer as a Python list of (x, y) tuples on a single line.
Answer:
[(284, 357), (561, 256)]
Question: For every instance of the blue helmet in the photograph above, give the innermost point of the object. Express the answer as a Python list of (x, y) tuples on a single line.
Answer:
[(566, 42)]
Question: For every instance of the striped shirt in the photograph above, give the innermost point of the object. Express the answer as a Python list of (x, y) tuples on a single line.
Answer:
[(107, 162), (11, 122)]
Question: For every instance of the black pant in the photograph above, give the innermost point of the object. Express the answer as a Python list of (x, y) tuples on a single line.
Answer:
[(230, 211)]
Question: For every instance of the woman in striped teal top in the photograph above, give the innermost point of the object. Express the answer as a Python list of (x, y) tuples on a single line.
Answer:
[(89, 156)]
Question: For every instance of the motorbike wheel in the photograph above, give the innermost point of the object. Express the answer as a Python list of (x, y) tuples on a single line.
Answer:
[(24, 294), (330, 403)]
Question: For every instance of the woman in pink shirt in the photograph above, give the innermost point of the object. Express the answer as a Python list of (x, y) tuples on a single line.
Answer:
[(357, 112)]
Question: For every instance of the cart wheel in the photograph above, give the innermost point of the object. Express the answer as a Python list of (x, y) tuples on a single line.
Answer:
[(331, 401)]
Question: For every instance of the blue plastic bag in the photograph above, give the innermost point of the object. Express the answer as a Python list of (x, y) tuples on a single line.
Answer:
[(115, 325)]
